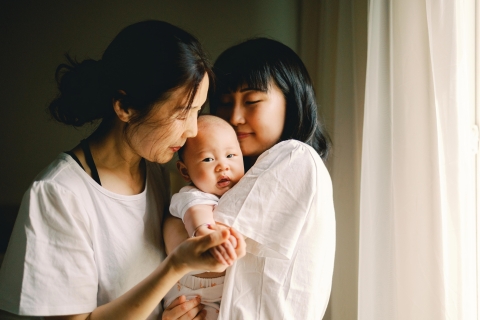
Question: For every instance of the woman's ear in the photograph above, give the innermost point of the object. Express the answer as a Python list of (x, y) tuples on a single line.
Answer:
[(124, 114), (182, 168)]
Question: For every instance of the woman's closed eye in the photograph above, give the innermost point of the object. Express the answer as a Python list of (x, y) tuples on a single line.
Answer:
[(252, 102)]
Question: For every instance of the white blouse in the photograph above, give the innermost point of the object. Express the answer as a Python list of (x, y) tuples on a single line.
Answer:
[(284, 206)]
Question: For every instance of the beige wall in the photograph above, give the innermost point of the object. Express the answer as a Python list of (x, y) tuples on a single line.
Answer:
[(35, 36)]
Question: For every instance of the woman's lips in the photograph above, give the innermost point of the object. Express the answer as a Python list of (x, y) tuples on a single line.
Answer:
[(242, 135), (175, 149)]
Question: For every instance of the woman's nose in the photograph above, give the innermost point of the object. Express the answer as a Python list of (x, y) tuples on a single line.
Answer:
[(237, 117), (191, 129)]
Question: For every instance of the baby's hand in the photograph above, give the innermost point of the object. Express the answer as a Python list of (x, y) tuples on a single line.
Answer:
[(224, 253)]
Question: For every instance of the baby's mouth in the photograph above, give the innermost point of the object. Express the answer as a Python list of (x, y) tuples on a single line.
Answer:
[(225, 181)]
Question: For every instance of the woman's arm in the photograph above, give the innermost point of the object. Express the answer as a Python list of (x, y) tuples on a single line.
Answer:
[(141, 300)]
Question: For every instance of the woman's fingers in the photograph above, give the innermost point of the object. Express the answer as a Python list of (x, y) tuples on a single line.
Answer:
[(202, 315), (213, 239), (176, 302), (217, 255), (181, 309), (195, 253), (231, 249), (194, 313)]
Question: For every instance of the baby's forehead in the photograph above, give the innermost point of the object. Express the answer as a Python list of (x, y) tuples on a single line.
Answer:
[(211, 137), (210, 120), (210, 134), (207, 124)]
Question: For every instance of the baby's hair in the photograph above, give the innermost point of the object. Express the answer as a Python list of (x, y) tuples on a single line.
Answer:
[(257, 63), (203, 122)]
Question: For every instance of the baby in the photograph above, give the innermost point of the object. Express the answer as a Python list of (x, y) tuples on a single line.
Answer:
[(212, 162)]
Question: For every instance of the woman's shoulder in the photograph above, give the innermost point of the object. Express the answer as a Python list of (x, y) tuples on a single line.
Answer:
[(295, 150), (56, 186), (62, 181), (292, 159), (63, 171)]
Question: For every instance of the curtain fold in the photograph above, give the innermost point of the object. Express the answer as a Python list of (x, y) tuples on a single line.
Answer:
[(417, 257), (332, 43)]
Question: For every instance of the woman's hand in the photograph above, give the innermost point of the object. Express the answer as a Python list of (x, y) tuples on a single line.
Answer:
[(194, 254), (224, 253), (182, 309)]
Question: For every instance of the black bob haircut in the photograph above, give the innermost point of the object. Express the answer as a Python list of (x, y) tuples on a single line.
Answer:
[(259, 61)]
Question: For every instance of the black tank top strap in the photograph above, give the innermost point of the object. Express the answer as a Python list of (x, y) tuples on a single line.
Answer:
[(89, 160), (71, 154)]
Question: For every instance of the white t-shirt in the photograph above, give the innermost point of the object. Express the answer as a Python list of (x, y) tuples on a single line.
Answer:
[(284, 206), (76, 245)]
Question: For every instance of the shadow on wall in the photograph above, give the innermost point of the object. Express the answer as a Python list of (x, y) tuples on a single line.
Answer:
[(8, 214)]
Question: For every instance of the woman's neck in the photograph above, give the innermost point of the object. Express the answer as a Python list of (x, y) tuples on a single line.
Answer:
[(121, 170), (112, 151)]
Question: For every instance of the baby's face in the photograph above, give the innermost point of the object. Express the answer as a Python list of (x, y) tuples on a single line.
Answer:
[(214, 160)]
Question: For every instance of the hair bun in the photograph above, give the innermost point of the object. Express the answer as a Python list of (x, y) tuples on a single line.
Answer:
[(82, 95)]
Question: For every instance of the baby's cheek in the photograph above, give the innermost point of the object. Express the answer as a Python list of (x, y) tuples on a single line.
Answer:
[(205, 177), (206, 182)]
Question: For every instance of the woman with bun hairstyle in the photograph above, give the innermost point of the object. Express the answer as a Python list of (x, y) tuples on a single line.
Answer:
[(87, 243), (283, 204)]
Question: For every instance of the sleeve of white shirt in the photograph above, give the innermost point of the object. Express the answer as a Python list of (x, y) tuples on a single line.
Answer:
[(269, 205), (187, 197), (53, 256)]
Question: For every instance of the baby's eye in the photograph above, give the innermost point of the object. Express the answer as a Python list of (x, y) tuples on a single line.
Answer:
[(207, 160), (230, 156)]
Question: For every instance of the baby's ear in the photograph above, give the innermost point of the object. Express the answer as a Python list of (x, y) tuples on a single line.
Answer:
[(182, 168)]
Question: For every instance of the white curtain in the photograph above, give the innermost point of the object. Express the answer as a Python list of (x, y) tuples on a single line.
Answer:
[(417, 252), (333, 45)]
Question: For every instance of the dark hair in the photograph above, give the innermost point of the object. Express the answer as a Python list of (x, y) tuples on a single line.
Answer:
[(143, 64), (256, 62)]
